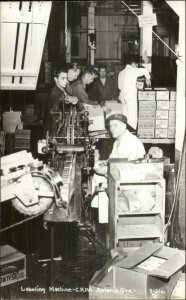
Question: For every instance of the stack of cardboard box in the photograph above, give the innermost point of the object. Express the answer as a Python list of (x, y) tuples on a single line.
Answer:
[(157, 114), (22, 139)]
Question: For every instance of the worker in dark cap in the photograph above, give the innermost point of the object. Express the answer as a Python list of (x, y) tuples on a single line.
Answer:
[(126, 144)]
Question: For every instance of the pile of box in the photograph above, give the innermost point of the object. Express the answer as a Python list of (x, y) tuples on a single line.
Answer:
[(157, 114), (22, 139)]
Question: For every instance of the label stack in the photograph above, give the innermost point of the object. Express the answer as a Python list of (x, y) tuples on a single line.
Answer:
[(157, 114)]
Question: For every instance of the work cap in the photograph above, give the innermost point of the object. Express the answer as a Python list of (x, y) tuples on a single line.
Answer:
[(119, 117)]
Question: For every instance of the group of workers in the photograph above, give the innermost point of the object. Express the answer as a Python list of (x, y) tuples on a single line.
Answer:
[(91, 87)]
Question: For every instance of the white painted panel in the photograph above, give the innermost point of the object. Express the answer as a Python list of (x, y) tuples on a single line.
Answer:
[(16, 80), (8, 34), (29, 80), (18, 72), (34, 46), (5, 80), (38, 19), (17, 87), (12, 14)]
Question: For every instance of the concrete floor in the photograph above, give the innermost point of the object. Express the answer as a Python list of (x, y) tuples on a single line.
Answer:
[(77, 257)]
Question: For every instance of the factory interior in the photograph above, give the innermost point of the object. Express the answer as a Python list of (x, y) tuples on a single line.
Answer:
[(92, 149)]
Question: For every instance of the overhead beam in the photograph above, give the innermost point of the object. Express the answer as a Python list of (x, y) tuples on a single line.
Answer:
[(91, 33)]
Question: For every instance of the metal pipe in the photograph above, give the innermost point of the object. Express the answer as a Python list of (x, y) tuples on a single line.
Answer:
[(69, 148)]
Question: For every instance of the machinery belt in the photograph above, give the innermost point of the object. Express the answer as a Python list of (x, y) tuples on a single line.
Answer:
[(73, 125), (69, 148), (69, 127), (75, 206)]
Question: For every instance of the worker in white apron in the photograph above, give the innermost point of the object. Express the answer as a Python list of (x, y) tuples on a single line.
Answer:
[(127, 84)]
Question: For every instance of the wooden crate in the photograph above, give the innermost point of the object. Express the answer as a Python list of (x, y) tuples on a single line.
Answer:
[(136, 204)]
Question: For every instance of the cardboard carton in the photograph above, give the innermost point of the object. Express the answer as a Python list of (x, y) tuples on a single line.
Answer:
[(113, 107), (147, 105), (22, 134), (148, 272), (145, 123), (163, 105), (171, 132), (96, 118), (146, 133), (172, 95), (161, 133), (162, 124), (146, 114), (13, 265), (172, 105), (146, 95), (162, 114), (162, 95)]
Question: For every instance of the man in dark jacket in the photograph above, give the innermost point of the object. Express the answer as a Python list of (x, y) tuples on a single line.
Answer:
[(57, 98), (103, 88)]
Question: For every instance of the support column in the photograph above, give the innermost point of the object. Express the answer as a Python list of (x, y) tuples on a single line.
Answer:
[(91, 33), (146, 37), (179, 8), (67, 35)]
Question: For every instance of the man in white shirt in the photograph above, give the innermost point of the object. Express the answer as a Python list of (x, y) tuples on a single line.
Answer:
[(127, 84), (126, 144)]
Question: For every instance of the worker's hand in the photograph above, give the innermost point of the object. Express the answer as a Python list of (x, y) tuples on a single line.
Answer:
[(72, 99), (148, 82), (100, 167)]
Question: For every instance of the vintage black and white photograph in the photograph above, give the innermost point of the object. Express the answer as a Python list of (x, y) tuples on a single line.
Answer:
[(92, 150)]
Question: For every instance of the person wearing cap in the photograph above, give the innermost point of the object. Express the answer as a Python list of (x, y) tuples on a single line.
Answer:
[(127, 84), (126, 144)]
